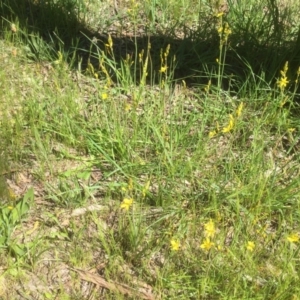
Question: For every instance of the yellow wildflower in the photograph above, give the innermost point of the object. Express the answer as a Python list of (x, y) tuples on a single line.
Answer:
[(175, 245), (230, 125), (293, 238), (209, 229), (207, 244), (127, 202), (250, 246), (227, 31), (163, 69), (224, 32), (104, 96), (238, 111), (283, 81), (212, 134)]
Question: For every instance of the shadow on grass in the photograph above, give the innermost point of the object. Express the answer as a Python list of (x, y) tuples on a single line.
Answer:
[(251, 51)]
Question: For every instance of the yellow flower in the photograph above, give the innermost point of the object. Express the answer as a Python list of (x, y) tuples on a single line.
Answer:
[(175, 245), (104, 96), (220, 30), (207, 244), (250, 246), (282, 82), (230, 125), (238, 111), (220, 14), (227, 30), (293, 238), (209, 229), (224, 32), (163, 69), (212, 134), (127, 202)]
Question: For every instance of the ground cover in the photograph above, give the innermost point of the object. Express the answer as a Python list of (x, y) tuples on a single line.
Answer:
[(149, 150)]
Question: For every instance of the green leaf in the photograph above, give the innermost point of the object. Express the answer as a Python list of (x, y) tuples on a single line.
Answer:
[(67, 173), (85, 175), (16, 250), (48, 295), (29, 196), (3, 241)]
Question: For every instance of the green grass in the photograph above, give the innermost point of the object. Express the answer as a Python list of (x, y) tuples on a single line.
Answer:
[(161, 108)]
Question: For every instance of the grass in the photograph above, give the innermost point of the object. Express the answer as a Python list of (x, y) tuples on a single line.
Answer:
[(149, 150)]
